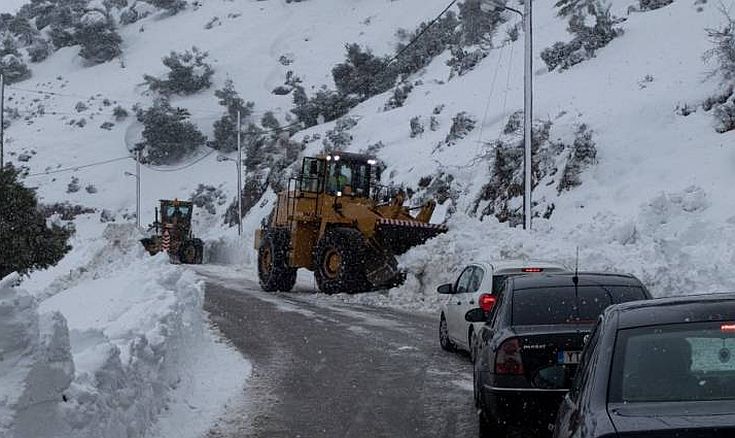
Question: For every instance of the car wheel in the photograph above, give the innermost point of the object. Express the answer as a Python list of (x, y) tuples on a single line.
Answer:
[(472, 342), (488, 427), (444, 340)]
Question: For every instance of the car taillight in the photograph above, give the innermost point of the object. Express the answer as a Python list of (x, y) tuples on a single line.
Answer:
[(508, 358), (487, 302)]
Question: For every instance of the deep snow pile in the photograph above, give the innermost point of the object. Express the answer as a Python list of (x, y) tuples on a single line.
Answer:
[(667, 243), (139, 342), (36, 365)]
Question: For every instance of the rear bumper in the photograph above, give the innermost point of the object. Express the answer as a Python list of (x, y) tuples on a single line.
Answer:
[(525, 407)]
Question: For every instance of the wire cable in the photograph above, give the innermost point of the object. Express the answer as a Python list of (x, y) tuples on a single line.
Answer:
[(75, 168), (185, 166)]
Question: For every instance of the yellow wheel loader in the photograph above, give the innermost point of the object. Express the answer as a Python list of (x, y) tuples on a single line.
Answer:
[(173, 234), (336, 220)]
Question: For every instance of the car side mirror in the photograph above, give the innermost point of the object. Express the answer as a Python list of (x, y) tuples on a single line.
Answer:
[(475, 315), (445, 289)]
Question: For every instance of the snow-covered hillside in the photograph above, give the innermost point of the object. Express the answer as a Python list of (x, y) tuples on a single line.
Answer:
[(654, 200)]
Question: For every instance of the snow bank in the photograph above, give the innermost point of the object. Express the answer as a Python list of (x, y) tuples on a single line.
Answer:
[(129, 356), (36, 366), (670, 244)]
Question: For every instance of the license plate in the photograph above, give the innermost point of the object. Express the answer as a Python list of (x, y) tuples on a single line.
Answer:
[(568, 357)]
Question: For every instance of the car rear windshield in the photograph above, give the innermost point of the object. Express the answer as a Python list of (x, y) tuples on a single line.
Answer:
[(567, 304), (670, 363)]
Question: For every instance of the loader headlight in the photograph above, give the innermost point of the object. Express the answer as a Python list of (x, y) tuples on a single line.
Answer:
[(339, 194), (372, 162)]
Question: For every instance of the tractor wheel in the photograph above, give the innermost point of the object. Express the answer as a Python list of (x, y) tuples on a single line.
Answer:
[(339, 261), (199, 245), (188, 252), (273, 270)]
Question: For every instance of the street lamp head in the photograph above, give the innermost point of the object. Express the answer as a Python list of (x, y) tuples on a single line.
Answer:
[(130, 174), (221, 158)]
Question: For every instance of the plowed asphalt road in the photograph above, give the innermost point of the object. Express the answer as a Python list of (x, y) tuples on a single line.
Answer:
[(322, 368)]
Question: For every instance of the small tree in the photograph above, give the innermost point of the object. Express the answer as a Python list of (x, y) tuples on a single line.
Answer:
[(26, 241), (168, 135), (171, 6), (478, 23), (363, 74), (98, 38), (189, 74), (11, 62), (433, 42), (326, 104), (225, 129)]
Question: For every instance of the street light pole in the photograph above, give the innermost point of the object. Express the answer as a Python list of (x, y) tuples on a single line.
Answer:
[(528, 118), (239, 177), (137, 188), (2, 121)]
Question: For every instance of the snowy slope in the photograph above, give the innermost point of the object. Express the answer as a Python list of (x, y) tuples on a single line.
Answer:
[(627, 95)]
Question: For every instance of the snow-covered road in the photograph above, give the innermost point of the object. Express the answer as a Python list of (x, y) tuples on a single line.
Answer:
[(328, 369)]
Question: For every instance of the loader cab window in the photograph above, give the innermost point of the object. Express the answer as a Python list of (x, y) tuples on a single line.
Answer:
[(311, 175), (179, 212), (348, 177)]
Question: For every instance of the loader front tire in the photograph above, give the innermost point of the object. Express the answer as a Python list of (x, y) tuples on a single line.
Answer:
[(273, 270), (339, 259)]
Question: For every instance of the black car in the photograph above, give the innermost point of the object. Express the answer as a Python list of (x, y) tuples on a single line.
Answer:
[(529, 348), (661, 368)]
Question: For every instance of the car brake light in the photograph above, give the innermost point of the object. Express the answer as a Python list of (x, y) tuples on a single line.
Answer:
[(487, 302), (727, 328), (532, 270), (508, 358)]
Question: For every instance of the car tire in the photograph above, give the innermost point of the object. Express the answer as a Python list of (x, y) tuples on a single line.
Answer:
[(488, 427), (471, 342), (444, 341)]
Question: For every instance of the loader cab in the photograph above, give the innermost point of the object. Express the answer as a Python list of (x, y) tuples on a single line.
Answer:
[(176, 214), (340, 174)]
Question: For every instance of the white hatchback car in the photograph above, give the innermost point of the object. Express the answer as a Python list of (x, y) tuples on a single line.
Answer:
[(477, 287)]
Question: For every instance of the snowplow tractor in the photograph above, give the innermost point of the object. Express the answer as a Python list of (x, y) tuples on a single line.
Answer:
[(336, 220), (173, 234)]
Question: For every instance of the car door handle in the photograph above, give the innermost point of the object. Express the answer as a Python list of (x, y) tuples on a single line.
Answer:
[(472, 301)]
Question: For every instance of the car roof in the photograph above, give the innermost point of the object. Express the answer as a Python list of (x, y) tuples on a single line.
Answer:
[(567, 279), (501, 265), (672, 310)]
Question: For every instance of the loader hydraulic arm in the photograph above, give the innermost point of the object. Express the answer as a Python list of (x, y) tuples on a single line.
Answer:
[(427, 210)]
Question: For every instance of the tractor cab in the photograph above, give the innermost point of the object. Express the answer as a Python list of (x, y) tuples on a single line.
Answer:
[(176, 214), (339, 174)]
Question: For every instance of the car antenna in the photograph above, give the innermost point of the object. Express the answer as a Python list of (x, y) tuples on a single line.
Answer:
[(575, 279)]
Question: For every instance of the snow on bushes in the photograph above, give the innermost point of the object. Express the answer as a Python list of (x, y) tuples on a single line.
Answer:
[(168, 135), (188, 73), (593, 27)]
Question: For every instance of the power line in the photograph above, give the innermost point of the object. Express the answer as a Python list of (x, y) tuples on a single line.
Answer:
[(75, 168), (186, 166), (116, 99)]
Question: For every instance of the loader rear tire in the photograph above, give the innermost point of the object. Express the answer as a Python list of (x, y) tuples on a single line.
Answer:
[(339, 259), (188, 253), (273, 270)]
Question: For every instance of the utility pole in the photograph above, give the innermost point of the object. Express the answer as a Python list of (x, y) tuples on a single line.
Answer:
[(528, 118), (137, 187), (2, 121), (527, 16), (239, 176)]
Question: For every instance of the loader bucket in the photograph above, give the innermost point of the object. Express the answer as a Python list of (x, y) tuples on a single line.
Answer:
[(401, 235)]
